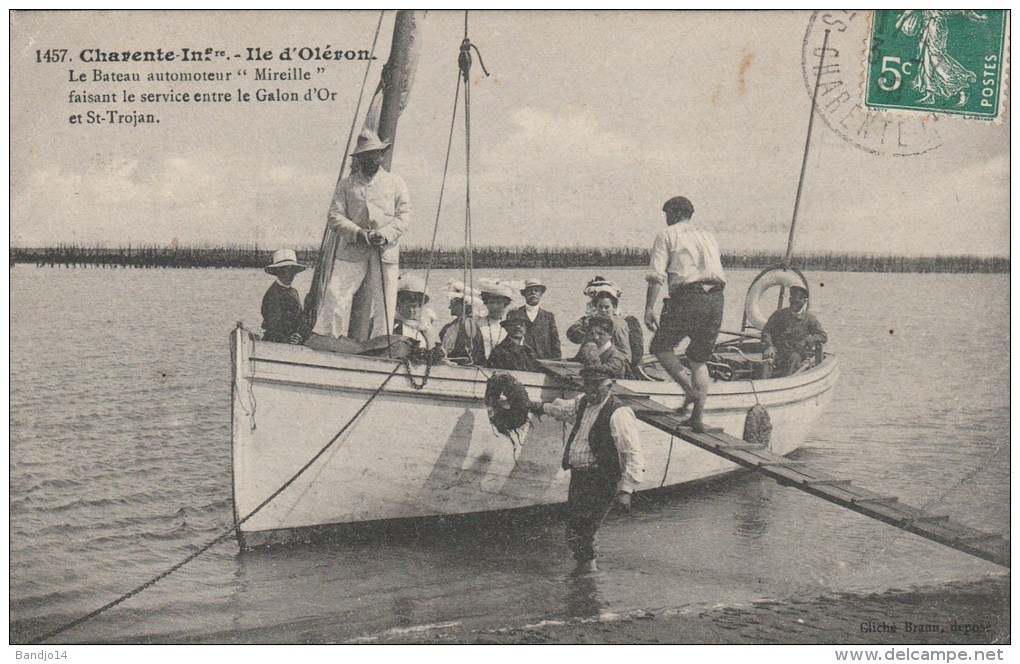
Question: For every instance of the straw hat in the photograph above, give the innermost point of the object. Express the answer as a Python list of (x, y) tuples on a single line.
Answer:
[(533, 283), (284, 258), (369, 141)]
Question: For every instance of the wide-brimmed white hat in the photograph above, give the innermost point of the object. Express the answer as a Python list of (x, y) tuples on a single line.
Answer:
[(496, 287), (368, 141), (409, 283), (455, 290), (285, 258), (601, 285)]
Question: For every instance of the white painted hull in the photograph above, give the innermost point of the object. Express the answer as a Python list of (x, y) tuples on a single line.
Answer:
[(432, 452)]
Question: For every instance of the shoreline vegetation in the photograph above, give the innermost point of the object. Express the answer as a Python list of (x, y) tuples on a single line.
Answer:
[(417, 258)]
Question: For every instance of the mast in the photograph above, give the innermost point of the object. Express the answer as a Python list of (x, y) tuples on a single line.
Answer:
[(807, 149), (397, 76)]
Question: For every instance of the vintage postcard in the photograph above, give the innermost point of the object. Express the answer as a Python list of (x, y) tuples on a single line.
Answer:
[(510, 327)]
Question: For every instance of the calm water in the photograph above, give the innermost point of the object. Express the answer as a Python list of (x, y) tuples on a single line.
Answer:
[(120, 467)]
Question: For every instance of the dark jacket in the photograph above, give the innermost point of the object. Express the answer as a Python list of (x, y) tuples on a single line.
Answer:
[(512, 357), (282, 314), (788, 332), (541, 334), (600, 439)]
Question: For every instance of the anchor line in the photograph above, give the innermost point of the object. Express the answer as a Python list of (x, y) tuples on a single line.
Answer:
[(227, 533)]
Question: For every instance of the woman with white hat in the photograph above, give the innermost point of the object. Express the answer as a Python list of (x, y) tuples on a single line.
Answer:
[(604, 300), (497, 296), (282, 313)]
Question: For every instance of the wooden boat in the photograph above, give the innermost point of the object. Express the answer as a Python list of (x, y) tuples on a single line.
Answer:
[(431, 451), (423, 446)]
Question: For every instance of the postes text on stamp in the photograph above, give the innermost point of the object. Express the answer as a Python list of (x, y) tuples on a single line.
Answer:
[(936, 60)]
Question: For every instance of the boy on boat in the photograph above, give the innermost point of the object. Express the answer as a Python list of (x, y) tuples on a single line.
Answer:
[(282, 313), (791, 335), (603, 455), (541, 333), (686, 259)]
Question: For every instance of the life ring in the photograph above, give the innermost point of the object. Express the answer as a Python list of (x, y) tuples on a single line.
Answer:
[(507, 403), (770, 278)]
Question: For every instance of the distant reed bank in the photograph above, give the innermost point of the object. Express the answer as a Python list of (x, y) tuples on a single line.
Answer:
[(240, 256)]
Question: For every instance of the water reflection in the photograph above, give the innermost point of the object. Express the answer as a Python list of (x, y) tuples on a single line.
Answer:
[(751, 515)]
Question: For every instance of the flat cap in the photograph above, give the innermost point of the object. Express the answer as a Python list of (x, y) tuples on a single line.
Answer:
[(680, 205)]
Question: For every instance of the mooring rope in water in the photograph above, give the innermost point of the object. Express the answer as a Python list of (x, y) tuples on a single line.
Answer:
[(225, 534)]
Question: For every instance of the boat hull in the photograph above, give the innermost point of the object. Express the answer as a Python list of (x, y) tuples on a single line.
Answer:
[(415, 453)]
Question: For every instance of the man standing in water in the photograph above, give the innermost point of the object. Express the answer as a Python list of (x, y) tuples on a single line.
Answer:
[(686, 259), (370, 211), (603, 454)]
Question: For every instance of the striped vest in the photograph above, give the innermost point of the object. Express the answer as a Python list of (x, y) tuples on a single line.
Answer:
[(600, 438)]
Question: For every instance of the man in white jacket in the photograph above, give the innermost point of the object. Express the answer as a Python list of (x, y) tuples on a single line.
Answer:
[(370, 211)]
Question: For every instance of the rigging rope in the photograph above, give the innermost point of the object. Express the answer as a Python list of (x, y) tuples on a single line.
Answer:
[(442, 185), (225, 534), (464, 63)]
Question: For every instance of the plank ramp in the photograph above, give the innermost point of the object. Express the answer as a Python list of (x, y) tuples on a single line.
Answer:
[(796, 474)]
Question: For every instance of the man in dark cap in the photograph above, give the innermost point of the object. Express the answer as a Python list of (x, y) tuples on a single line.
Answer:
[(603, 455), (512, 353), (791, 335), (686, 259)]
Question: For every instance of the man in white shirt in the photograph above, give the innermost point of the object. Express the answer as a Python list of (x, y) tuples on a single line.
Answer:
[(603, 454), (686, 259)]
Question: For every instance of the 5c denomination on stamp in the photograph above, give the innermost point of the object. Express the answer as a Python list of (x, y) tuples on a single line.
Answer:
[(843, 36), (936, 60)]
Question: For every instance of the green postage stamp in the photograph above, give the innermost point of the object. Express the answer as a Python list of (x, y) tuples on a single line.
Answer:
[(935, 60)]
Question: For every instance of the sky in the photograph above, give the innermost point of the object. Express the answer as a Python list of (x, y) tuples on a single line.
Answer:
[(587, 124)]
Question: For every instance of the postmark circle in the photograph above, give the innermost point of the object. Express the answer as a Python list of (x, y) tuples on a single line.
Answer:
[(840, 101)]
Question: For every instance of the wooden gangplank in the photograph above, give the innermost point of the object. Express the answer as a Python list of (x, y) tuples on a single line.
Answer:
[(796, 474)]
